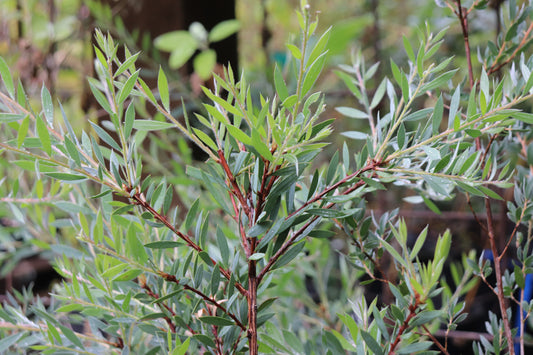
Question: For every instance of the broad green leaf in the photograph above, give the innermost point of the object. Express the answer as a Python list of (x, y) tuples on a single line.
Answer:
[(223, 246), (44, 135), (355, 135), (378, 95), (204, 63), (105, 136), (432, 153), (279, 82), (127, 64), (129, 119), (72, 151), (128, 275), (257, 256), (319, 47), (372, 344), (439, 81), (71, 336), (313, 72), (223, 30), (524, 117), (205, 138), (7, 78), (66, 176), (99, 96), (162, 86), (351, 112), (408, 49), (126, 90), (23, 130), (180, 56), (289, 255), (182, 349), (48, 107), (10, 117), (151, 125), (296, 53), (134, 246), (175, 40), (414, 347), (218, 321), (163, 244)]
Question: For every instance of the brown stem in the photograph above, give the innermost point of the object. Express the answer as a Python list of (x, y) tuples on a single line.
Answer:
[(253, 282), (235, 188), (413, 308), (494, 68), (435, 341), (139, 199), (499, 278), (463, 19), (172, 278), (161, 305)]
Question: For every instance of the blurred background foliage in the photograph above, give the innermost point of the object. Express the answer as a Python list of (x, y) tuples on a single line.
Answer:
[(50, 41)]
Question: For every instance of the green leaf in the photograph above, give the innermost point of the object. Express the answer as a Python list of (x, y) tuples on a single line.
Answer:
[(44, 135), (126, 90), (223, 30), (180, 56), (48, 107), (66, 176), (11, 117), (99, 96), (204, 63), (151, 125), (163, 244), (182, 349), (524, 117), (256, 256), (439, 81), (351, 112), (279, 82), (408, 49), (378, 95), (128, 275), (7, 78), (218, 321), (23, 130), (162, 86), (313, 72), (205, 138), (134, 247), (105, 136), (176, 40), (414, 347), (355, 135), (71, 336), (128, 64), (319, 47), (296, 53), (289, 255), (72, 151), (371, 343)]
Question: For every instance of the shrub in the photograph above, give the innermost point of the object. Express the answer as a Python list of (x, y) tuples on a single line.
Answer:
[(208, 259)]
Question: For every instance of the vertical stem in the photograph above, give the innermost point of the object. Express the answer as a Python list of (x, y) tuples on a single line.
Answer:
[(462, 15), (499, 278), (252, 308)]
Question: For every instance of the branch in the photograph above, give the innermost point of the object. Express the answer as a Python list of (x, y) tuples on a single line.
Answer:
[(139, 199), (172, 278)]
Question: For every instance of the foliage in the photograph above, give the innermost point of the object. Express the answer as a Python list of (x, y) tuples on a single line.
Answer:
[(209, 259)]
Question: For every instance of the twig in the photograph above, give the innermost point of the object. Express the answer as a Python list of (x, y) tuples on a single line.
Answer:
[(172, 278), (499, 279)]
